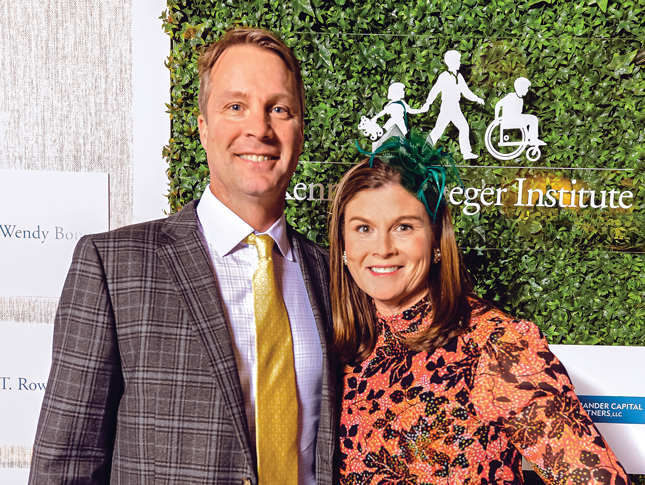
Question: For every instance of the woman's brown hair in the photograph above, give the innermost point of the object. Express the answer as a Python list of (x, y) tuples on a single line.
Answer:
[(355, 332)]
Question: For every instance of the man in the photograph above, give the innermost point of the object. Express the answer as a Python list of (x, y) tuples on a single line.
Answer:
[(155, 374), (452, 86)]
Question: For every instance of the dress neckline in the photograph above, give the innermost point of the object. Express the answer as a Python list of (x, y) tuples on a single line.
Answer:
[(401, 321)]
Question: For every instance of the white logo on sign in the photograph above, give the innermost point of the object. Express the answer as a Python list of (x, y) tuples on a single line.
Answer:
[(510, 133), (509, 118)]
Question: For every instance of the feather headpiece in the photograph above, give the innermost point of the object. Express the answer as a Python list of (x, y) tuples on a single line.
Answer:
[(425, 171)]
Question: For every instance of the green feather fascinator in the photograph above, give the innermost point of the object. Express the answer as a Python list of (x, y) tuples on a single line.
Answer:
[(425, 171)]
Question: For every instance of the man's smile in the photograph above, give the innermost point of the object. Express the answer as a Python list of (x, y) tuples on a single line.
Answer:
[(257, 158)]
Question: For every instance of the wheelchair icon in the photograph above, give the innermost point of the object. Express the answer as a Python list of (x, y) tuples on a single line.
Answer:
[(502, 146)]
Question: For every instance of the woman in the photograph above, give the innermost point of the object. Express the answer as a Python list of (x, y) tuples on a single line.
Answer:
[(439, 386)]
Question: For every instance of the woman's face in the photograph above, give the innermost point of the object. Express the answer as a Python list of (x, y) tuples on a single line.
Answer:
[(388, 240)]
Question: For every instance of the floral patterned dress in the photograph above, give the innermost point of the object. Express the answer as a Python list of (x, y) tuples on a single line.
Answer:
[(464, 413)]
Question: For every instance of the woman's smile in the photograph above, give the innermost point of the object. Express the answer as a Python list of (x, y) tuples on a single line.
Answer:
[(384, 270)]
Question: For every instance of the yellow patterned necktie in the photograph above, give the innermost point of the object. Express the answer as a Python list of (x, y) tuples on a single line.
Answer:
[(276, 400)]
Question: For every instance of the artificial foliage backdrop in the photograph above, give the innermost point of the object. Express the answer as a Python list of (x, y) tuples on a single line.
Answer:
[(578, 272)]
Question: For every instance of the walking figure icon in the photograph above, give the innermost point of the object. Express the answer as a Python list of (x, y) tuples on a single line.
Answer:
[(512, 130), (452, 86)]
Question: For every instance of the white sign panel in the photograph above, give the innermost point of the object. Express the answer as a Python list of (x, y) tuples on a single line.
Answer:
[(14, 476), (609, 381), (25, 359), (42, 217), (614, 372)]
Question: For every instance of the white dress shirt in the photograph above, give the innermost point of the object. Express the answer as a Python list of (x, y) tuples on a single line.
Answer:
[(234, 263)]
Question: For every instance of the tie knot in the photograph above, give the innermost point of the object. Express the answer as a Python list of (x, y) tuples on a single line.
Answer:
[(263, 243)]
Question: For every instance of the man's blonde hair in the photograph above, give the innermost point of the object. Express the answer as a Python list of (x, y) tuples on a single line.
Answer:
[(261, 38)]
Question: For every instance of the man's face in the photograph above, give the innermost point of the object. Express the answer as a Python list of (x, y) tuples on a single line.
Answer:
[(252, 129)]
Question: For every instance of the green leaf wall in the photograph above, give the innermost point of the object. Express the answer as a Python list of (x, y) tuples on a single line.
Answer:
[(578, 273)]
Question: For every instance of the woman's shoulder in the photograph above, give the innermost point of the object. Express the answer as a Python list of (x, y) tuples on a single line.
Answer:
[(491, 325)]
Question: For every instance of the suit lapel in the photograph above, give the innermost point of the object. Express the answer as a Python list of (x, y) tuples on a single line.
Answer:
[(187, 260)]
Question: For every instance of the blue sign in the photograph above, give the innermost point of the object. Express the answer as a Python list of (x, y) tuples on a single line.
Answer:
[(614, 409)]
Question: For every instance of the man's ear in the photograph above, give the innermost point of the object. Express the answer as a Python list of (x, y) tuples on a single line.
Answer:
[(203, 129)]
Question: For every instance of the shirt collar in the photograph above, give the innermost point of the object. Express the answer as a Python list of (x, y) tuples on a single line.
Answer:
[(213, 216)]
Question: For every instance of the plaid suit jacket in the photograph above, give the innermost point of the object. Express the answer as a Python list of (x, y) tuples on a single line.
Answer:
[(144, 386)]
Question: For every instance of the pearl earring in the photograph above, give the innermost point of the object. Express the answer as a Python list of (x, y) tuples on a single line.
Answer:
[(437, 255), (345, 257)]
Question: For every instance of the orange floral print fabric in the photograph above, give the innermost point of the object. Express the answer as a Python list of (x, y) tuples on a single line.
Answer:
[(464, 413)]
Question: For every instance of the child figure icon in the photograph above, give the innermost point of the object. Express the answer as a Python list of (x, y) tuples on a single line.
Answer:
[(396, 125), (509, 117)]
